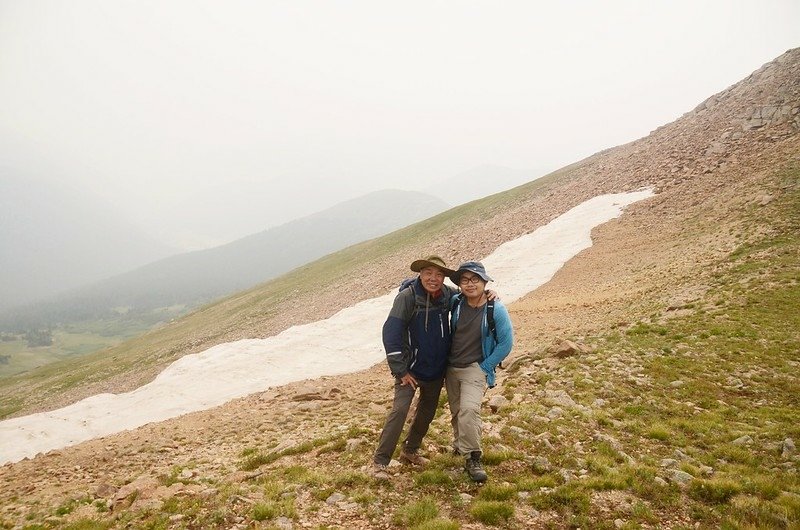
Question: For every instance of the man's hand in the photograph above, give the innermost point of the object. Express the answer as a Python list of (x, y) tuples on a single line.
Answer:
[(491, 295), (408, 379)]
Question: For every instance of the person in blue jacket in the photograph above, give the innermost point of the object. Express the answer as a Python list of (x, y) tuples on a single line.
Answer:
[(475, 352), (416, 337)]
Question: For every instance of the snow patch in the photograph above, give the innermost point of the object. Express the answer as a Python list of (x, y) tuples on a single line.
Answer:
[(347, 342)]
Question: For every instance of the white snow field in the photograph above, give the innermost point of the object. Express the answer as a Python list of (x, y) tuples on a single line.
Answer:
[(347, 342)]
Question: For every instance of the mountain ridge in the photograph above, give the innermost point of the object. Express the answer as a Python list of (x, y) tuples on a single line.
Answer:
[(51, 229), (198, 277)]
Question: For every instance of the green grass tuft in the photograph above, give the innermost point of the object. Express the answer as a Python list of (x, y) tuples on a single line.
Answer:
[(715, 491), (432, 477), (495, 492), (416, 512), (491, 512), (437, 524)]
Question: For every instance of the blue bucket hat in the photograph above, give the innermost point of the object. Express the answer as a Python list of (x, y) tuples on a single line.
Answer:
[(475, 267)]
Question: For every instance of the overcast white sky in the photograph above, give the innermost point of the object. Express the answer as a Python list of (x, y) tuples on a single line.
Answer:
[(204, 121)]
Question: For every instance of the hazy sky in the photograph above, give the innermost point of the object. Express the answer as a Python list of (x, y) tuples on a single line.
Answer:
[(203, 121)]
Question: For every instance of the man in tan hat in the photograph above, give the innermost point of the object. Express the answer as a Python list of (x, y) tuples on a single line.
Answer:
[(416, 336)]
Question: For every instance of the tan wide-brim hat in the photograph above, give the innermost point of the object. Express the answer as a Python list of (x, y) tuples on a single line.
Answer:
[(432, 261)]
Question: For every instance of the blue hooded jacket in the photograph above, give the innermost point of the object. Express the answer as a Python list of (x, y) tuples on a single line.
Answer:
[(493, 351)]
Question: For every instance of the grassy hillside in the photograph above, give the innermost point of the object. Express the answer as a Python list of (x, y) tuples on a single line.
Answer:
[(683, 415), (264, 310)]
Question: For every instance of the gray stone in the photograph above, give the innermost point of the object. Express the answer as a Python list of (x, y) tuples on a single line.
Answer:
[(542, 464), (352, 444), (497, 402), (555, 413), (677, 384), (753, 123), (735, 382), (679, 477), (284, 523), (518, 431), (568, 348), (768, 111), (142, 487), (561, 398), (788, 448), (743, 440), (104, 490), (335, 497), (567, 475), (669, 462), (607, 438)]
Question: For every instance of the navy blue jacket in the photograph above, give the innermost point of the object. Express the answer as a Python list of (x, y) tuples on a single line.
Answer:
[(416, 335)]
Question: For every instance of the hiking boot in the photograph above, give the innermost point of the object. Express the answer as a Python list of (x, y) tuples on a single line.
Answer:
[(412, 458), (474, 467), (379, 471)]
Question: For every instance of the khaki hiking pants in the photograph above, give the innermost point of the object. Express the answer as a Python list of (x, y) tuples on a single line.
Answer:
[(465, 389)]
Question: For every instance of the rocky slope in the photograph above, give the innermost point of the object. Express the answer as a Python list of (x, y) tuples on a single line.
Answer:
[(603, 436)]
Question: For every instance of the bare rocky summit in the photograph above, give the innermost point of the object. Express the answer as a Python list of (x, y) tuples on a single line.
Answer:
[(568, 407)]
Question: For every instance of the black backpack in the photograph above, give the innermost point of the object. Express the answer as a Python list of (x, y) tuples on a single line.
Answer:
[(408, 282)]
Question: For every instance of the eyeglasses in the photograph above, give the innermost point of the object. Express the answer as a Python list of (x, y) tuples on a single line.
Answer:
[(473, 280)]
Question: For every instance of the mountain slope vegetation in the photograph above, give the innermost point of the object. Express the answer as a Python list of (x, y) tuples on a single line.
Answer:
[(679, 410), (199, 277)]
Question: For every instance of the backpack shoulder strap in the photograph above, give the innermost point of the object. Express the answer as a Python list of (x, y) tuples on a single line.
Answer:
[(490, 318), (455, 300)]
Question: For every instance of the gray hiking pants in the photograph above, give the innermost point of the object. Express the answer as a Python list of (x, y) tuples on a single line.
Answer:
[(426, 409)]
